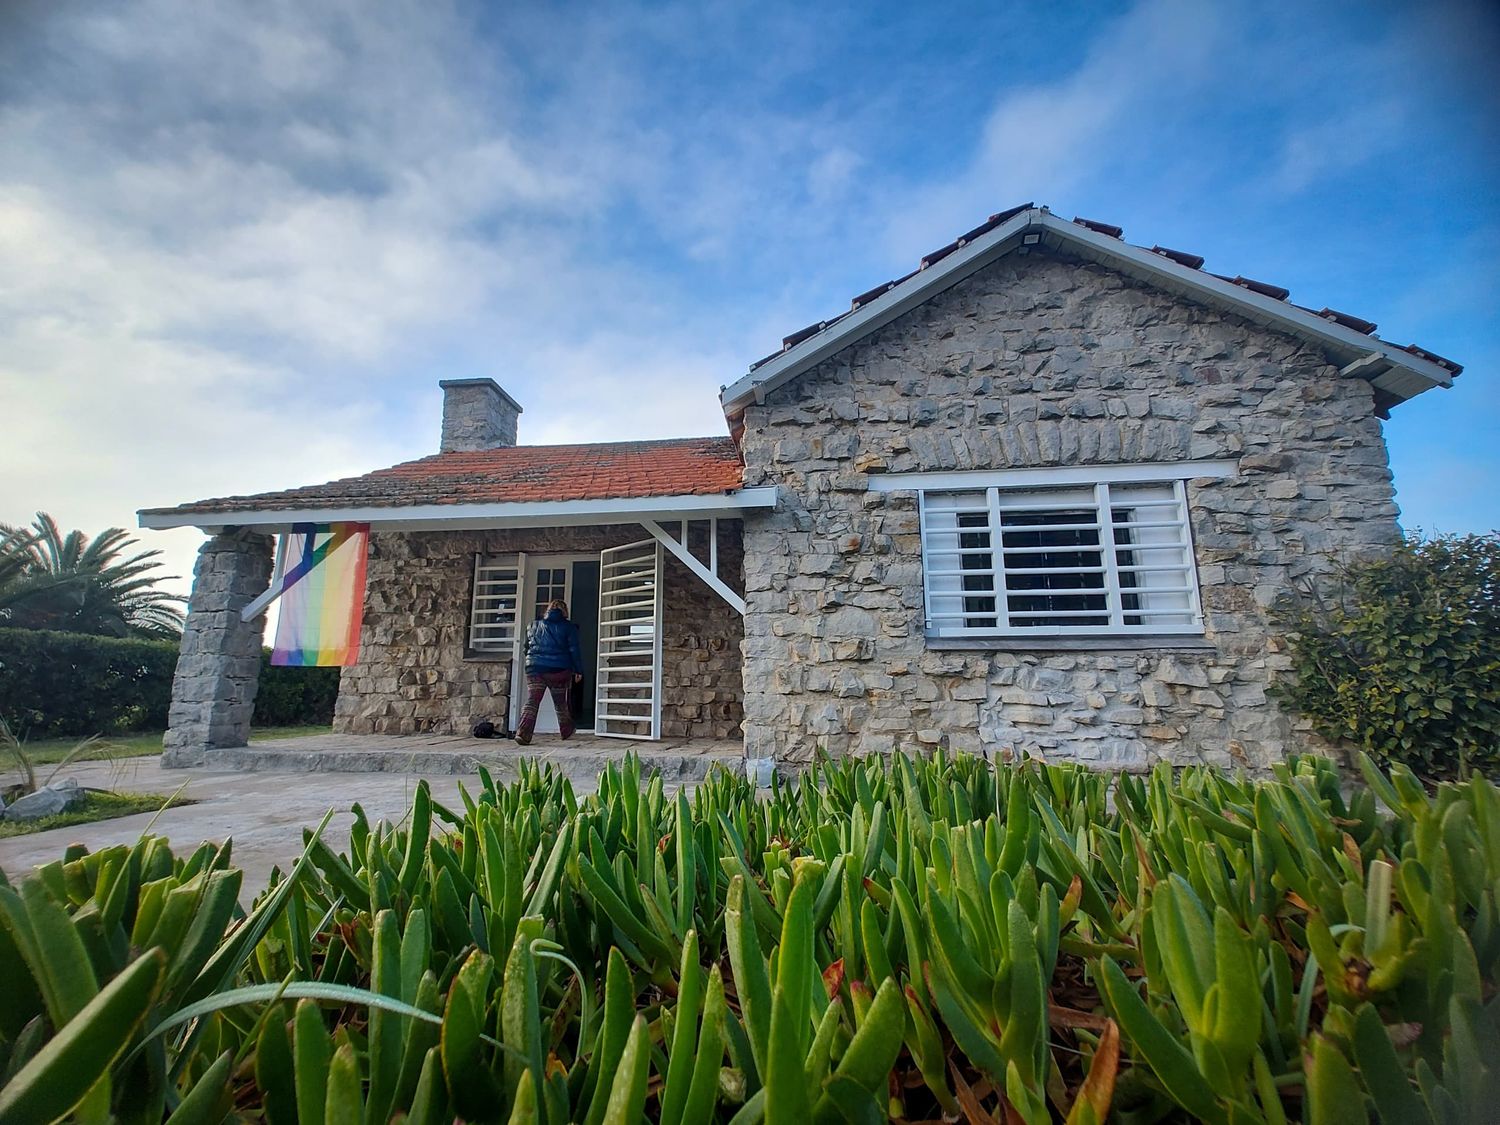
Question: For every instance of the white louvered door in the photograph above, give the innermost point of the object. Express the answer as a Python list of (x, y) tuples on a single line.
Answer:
[(630, 616)]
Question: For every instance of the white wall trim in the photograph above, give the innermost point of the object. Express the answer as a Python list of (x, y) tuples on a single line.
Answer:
[(1057, 475), (456, 517)]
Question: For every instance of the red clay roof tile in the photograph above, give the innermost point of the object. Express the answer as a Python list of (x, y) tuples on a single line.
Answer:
[(1357, 323), (1102, 228), (1181, 257), (517, 474)]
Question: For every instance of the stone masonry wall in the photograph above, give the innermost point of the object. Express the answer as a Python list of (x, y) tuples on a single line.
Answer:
[(413, 676), (702, 695), (1038, 361), (213, 689)]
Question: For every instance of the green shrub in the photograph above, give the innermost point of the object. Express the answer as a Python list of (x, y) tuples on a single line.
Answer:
[(294, 697), (59, 684), (54, 684), (913, 939), (1402, 657)]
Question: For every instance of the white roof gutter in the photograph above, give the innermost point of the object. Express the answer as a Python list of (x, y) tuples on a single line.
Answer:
[(464, 517), (1404, 374)]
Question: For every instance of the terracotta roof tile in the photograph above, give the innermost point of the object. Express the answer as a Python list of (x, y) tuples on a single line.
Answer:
[(1102, 228), (518, 474), (1432, 357), (934, 257), (1182, 258), (1357, 323), (869, 295), (1264, 288)]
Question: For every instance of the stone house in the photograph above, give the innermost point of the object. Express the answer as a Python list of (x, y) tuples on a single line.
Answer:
[(1037, 496)]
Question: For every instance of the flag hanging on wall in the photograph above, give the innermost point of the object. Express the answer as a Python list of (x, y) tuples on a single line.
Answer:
[(322, 594)]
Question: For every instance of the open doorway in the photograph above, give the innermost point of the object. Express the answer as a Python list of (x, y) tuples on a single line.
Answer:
[(574, 579)]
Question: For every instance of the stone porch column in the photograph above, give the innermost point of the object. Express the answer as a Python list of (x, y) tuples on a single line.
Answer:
[(213, 692)]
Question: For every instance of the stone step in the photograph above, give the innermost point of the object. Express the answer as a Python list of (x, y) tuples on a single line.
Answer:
[(579, 764)]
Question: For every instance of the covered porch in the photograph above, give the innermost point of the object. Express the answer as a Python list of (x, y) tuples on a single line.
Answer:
[(642, 539)]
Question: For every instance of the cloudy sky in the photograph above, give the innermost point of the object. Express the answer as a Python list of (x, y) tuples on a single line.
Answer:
[(241, 243)]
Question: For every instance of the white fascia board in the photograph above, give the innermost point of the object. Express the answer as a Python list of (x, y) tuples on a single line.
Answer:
[(456, 517), (1143, 263), (881, 311), (962, 481)]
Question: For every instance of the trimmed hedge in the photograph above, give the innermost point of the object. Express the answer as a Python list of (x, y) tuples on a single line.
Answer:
[(294, 697), (75, 683), (61, 684)]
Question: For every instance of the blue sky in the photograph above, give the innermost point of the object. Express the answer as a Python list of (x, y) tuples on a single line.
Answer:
[(238, 253)]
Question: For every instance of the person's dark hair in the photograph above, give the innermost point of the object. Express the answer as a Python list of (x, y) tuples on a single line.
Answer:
[(558, 603)]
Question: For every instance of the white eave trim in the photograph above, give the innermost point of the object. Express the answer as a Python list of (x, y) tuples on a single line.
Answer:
[(456, 517), (1152, 267)]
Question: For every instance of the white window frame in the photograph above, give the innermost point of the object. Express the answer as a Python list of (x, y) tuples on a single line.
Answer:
[(491, 631), (1160, 489)]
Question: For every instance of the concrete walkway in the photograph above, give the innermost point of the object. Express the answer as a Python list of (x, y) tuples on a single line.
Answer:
[(264, 812), (264, 794)]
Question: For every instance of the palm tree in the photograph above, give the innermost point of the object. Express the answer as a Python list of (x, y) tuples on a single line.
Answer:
[(80, 585)]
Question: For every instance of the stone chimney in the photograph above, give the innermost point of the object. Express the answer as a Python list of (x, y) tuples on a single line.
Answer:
[(477, 415)]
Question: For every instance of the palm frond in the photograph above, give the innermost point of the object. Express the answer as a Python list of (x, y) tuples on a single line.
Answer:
[(71, 582)]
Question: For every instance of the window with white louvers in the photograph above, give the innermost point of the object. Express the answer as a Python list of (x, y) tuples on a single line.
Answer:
[(492, 616), (1112, 557)]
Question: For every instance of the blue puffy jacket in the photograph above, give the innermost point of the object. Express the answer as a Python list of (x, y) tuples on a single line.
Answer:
[(552, 645)]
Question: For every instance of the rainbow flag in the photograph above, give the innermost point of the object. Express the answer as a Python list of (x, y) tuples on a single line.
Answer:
[(322, 594)]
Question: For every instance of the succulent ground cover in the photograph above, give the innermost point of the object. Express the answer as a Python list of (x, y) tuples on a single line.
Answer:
[(928, 940)]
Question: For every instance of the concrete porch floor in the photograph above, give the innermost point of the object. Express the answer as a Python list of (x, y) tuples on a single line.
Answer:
[(580, 757)]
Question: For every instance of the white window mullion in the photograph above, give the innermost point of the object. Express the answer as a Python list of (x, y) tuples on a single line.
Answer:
[(1112, 587), (1179, 492), (997, 558)]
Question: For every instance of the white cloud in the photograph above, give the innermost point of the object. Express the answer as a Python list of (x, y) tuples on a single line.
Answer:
[(1339, 145), (235, 253), (1043, 142)]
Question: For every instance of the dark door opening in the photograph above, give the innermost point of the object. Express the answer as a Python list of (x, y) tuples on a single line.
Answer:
[(584, 612)]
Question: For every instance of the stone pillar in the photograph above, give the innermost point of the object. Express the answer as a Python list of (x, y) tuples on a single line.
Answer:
[(477, 415), (213, 693)]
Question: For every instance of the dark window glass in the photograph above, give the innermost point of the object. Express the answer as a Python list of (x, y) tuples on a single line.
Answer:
[(982, 601), (1068, 588)]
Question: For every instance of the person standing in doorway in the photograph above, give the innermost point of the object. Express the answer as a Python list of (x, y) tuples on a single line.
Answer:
[(554, 664)]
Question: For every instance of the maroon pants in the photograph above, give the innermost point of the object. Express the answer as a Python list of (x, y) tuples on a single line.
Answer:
[(560, 684)]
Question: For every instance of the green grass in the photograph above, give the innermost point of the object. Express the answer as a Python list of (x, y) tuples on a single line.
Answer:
[(96, 806), (49, 751)]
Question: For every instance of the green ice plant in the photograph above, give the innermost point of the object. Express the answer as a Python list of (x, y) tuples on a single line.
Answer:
[(881, 938)]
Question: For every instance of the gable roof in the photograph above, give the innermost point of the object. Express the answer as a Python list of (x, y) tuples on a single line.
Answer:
[(1398, 371), (522, 475)]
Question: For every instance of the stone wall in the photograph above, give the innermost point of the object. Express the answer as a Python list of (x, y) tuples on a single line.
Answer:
[(413, 675), (1038, 361), (702, 696)]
